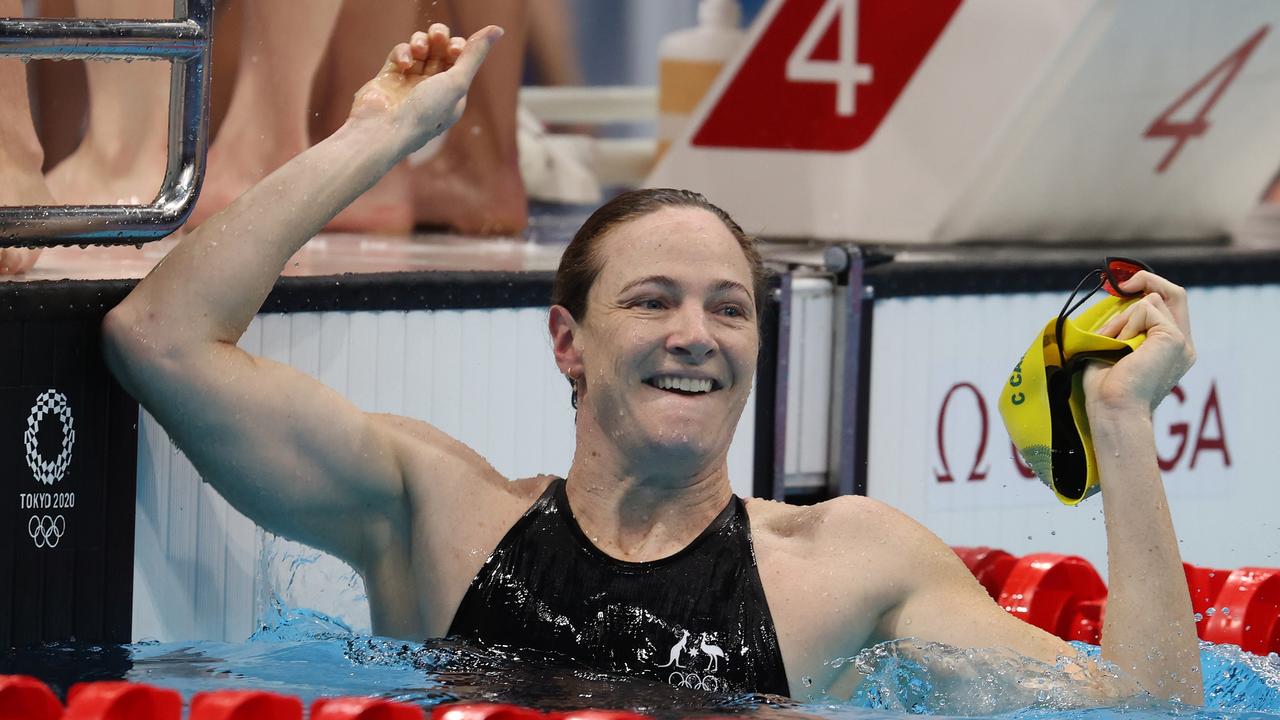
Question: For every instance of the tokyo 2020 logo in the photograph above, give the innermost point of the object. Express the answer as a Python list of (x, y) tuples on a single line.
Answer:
[(50, 402)]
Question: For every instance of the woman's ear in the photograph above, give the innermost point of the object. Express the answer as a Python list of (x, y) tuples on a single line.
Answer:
[(564, 331)]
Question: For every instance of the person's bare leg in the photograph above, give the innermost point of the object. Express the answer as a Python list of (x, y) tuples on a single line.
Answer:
[(552, 45), (473, 183), (266, 122), (355, 52), (122, 156), (20, 154), (60, 95)]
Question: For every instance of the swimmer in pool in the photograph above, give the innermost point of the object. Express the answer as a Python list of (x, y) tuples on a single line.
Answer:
[(642, 561)]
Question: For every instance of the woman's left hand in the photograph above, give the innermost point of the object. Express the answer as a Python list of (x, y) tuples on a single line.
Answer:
[(1140, 380)]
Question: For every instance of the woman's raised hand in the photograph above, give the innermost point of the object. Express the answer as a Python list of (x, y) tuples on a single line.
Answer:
[(1141, 380), (422, 87)]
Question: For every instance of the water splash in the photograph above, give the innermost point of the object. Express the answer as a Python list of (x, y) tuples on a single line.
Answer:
[(915, 677), (309, 654)]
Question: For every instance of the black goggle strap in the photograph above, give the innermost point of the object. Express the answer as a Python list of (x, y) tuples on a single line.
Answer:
[(1068, 308)]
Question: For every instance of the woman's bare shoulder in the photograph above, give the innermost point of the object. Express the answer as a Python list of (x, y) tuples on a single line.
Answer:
[(429, 454), (847, 520)]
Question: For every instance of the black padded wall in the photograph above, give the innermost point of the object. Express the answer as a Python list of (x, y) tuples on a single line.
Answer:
[(68, 443)]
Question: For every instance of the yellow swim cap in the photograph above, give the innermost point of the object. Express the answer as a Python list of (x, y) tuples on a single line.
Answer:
[(1043, 407)]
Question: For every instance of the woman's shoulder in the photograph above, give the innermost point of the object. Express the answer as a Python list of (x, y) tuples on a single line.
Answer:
[(845, 515), (846, 521)]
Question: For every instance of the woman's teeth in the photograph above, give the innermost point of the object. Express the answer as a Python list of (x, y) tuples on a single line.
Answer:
[(683, 384)]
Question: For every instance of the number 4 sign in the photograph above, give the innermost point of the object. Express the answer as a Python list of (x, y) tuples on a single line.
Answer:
[(824, 74), (1222, 74)]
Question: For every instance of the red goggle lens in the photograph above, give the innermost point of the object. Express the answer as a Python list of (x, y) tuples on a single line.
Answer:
[(1118, 271)]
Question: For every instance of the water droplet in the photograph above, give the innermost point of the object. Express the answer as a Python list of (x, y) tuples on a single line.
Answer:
[(806, 681), (1226, 612), (1199, 617), (1209, 612)]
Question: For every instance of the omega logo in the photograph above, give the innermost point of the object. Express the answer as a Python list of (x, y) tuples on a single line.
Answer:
[(945, 476)]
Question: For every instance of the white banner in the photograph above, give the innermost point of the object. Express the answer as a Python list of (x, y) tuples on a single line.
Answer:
[(938, 450)]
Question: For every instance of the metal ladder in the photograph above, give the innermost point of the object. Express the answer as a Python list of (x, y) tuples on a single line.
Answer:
[(186, 42)]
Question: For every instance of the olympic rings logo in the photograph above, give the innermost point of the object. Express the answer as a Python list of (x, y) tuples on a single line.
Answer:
[(694, 681), (46, 531), (50, 402)]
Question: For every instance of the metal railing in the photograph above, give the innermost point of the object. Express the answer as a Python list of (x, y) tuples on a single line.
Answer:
[(185, 42)]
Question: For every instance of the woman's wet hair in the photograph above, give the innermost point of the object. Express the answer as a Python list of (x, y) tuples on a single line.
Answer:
[(582, 262)]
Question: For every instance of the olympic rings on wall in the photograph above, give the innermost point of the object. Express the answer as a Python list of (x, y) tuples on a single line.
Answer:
[(46, 531)]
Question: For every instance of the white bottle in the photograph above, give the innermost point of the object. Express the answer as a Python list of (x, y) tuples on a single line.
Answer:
[(690, 60)]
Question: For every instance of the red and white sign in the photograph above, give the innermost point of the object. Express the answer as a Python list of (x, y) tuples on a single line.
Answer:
[(835, 66), (937, 120), (938, 451)]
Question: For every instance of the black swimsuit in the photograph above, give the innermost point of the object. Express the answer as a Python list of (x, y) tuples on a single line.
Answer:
[(695, 619)]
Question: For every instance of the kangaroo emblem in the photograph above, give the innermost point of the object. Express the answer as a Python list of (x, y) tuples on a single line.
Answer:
[(714, 653), (676, 650)]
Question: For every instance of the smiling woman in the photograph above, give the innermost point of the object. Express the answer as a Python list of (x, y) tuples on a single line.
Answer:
[(584, 257), (663, 341)]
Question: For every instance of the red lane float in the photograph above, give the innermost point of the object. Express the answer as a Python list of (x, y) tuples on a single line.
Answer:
[(1065, 596), (245, 705), (990, 566), (1046, 590), (25, 698), (28, 698), (1086, 623), (363, 709), (484, 711), (1204, 584), (1248, 612), (120, 700)]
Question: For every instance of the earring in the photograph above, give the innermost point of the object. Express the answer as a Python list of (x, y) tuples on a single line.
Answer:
[(573, 383)]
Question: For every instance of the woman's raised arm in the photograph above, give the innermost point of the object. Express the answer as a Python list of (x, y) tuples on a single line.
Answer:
[(282, 448)]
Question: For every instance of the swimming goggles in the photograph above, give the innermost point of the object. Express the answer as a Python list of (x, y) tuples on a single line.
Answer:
[(1117, 270)]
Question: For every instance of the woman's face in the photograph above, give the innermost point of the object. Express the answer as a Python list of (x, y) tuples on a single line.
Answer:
[(669, 342)]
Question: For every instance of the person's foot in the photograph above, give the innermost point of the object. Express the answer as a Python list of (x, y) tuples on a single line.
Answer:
[(90, 177), (236, 163), (384, 209), (23, 185), (469, 196), (15, 261)]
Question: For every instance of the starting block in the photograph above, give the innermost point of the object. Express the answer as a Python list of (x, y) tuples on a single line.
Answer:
[(915, 121)]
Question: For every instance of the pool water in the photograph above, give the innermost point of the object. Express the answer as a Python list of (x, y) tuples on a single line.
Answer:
[(308, 655)]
